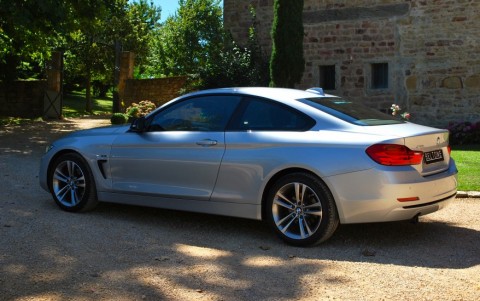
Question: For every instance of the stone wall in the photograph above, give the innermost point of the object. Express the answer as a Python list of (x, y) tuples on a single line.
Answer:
[(158, 90), (432, 49), (22, 99)]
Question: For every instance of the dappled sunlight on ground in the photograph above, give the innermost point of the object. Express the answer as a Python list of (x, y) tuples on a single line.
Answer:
[(34, 136)]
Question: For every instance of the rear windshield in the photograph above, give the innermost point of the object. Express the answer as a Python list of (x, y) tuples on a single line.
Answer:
[(350, 111)]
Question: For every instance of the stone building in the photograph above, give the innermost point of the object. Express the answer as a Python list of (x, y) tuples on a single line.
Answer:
[(421, 54)]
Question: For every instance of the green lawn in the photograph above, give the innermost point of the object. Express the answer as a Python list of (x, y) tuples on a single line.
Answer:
[(467, 158), (74, 105)]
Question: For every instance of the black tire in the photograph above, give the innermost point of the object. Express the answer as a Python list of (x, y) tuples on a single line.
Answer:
[(72, 184), (307, 219)]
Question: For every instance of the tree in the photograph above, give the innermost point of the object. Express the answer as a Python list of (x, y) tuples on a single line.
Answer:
[(134, 28), (101, 23), (287, 63), (189, 41), (89, 46), (29, 31), (238, 66), (85, 30)]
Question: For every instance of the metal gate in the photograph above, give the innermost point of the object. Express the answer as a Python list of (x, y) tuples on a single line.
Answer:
[(53, 97)]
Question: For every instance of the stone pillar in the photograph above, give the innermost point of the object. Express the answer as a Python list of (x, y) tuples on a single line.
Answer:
[(127, 61), (52, 101)]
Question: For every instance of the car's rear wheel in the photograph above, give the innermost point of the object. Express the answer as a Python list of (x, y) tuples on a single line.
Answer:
[(301, 209), (71, 183)]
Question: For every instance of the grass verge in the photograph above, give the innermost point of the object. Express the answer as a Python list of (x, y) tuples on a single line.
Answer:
[(74, 105), (467, 158)]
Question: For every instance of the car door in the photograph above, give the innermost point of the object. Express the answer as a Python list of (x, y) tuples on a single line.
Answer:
[(262, 136), (179, 154)]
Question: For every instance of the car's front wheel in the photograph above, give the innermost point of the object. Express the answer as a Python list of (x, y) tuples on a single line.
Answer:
[(71, 183), (301, 209)]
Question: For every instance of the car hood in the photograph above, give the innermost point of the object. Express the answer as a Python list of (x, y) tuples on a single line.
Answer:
[(101, 131)]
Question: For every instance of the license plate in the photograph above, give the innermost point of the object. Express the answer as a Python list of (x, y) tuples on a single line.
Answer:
[(433, 156)]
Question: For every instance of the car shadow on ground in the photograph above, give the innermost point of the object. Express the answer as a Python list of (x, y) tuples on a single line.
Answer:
[(129, 252), (428, 243)]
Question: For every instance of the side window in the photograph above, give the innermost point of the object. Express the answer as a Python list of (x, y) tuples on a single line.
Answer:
[(262, 115), (204, 113)]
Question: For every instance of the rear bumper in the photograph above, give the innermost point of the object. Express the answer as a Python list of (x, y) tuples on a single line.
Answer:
[(374, 198)]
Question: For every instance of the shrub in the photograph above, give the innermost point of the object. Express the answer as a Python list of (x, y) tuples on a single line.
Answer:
[(119, 118), (464, 132), (140, 109)]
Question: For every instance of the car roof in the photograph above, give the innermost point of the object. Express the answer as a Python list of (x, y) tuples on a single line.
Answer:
[(283, 94)]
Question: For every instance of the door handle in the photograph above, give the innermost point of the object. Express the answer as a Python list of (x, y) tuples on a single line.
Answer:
[(207, 142)]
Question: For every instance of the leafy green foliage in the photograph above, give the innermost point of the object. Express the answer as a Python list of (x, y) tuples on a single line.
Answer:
[(189, 41), (221, 61), (102, 24), (287, 63), (88, 46), (29, 31), (238, 66), (134, 27), (85, 30), (119, 118)]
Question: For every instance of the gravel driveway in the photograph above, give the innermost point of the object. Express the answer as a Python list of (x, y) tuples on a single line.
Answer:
[(129, 253)]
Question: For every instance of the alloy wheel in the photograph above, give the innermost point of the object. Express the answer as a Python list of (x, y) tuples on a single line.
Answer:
[(297, 211), (68, 183)]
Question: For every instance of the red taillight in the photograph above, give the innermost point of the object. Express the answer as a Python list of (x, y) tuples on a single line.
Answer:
[(449, 150), (394, 154)]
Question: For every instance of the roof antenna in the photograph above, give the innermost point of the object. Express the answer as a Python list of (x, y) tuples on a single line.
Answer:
[(316, 90)]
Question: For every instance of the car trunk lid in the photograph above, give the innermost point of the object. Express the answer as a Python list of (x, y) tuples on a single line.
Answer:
[(435, 148), (433, 142)]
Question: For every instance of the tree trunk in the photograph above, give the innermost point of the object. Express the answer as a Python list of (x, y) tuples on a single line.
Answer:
[(88, 93)]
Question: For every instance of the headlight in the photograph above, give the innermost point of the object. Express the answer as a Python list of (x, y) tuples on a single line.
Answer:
[(48, 148)]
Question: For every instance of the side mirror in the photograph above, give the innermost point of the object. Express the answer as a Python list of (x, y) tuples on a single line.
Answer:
[(138, 125)]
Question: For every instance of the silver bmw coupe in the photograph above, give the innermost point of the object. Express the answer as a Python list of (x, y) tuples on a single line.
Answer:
[(304, 161)]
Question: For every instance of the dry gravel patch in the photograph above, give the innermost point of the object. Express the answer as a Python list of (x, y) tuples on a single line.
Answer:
[(131, 253)]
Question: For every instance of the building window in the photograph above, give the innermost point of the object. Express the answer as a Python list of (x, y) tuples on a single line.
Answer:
[(380, 76), (327, 77)]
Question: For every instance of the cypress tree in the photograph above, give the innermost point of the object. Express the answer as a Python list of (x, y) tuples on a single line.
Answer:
[(287, 63)]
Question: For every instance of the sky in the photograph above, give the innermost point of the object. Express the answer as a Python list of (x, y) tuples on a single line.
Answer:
[(169, 7)]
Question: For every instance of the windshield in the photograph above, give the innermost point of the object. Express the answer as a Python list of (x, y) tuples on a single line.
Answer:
[(350, 111)]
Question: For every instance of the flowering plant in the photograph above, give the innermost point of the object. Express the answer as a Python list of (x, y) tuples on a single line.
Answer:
[(397, 111), (464, 132), (140, 109)]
